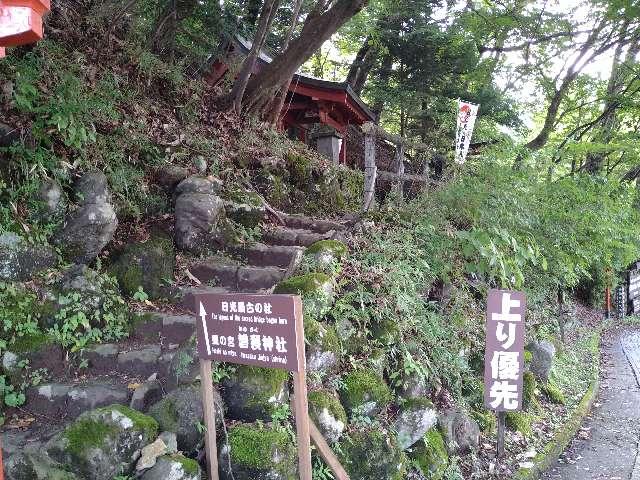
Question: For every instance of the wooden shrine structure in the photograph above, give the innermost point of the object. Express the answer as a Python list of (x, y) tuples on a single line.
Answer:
[(309, 101)]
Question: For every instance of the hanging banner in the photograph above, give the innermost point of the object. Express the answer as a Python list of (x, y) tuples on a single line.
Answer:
[(467, 114)]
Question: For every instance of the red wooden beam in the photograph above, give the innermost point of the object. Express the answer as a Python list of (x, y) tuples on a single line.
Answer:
[(3, 53)]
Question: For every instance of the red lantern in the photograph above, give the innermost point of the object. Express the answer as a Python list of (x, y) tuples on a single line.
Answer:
[(19, 26)]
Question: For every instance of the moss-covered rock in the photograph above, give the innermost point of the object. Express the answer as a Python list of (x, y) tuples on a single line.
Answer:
[(245, 207), (328, 414), (20, 261), (553, 393), (254, 393), (430, 455), (101, 443), (520, 422), (255, 452), (365, 391), (147, 265), (323, 346), (416, 418), (326, 254), (180, 411), (373, 454), (530, 391), (35, 465), (173, 467), (317, 289), (460, 432)]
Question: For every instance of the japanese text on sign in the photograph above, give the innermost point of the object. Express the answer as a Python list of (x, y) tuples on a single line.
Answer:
[(504, 354), (248, 329)]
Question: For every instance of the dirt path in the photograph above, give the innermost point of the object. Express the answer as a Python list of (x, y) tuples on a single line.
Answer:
[(607, 446)]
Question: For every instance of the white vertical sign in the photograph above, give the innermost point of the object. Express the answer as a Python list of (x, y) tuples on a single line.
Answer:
[(467, 114)]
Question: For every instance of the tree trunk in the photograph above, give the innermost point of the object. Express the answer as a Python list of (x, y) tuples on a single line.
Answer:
[(278, 102), (621, 71), (317, 29), (586, 51), (239, 87), (362, 66), (385, 75)]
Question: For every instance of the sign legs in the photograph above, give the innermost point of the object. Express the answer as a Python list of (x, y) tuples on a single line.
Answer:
[(501, 429), (209, 419), (301, 407)]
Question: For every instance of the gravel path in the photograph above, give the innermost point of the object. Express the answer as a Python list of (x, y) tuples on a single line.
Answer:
[(607, 446)]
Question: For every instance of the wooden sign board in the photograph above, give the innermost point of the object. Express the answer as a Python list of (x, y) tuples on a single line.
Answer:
[(259, 330), (504, 355)]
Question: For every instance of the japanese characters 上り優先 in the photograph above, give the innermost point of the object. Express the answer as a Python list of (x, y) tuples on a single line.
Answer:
[(504, 355)]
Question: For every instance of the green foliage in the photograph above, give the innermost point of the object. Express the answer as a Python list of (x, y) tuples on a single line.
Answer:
[(79, 322), (19, 312)]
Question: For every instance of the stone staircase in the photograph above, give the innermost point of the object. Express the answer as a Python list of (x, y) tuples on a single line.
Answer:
[(259, 267), (156, 347)]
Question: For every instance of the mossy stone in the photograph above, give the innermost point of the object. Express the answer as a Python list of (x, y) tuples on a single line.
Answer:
[(145, 265), (529, 387), (430, 455), (316, 290), (553, 393), (335, 247), (373, 454), (328, 414), (245, 207), (323, 345), (257, 452), (365, 391), (101, 443), (324, 255), (254, 393)]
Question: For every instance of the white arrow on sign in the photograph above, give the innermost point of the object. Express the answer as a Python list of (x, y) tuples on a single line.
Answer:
[(203, 316)]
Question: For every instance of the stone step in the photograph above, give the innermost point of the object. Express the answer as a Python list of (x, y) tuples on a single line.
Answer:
[(67, 400), (316, 225), (295, 236), (139, 361), (168, 328), (238, 278), (261, 255)]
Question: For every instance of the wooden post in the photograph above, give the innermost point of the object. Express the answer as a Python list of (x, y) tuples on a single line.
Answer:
[(211, 448), (325, 452), (501, 429), (370, 170), (1, 463), (400, 171), (300, 400)]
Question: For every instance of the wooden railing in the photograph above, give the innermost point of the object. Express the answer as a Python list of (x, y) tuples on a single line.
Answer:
[(399, 177)]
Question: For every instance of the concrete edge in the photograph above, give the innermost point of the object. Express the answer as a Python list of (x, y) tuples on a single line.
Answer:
[(561, 439)]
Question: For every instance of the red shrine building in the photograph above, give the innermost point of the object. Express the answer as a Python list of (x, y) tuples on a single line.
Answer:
[(310, 102)]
